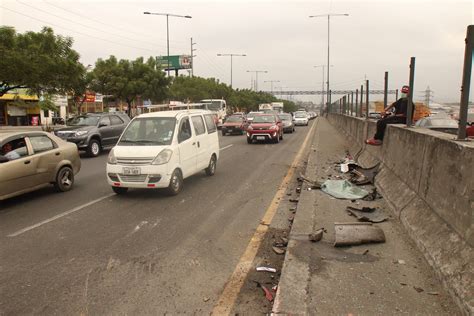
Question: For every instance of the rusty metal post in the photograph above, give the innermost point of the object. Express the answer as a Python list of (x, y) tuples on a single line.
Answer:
[(466, 83), (367, 99), (410, 92), (396, 95), (357, 103), (361, 99), (352, 103), (385, 91)]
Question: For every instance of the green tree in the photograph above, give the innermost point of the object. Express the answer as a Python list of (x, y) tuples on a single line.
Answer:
[(42, 62), (193, 89), (127, 80)]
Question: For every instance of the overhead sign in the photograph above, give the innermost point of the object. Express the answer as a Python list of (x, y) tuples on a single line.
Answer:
[(175, 62)]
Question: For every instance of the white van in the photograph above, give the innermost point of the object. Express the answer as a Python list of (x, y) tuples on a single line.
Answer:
[(160, 149)]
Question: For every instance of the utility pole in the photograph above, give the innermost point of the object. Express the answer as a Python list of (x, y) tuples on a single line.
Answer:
[(428, 96), (192, 56), (271, 84), (256, 77), (231, 59)]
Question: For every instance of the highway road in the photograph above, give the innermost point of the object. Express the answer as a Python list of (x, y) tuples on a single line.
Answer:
[(89, 251)]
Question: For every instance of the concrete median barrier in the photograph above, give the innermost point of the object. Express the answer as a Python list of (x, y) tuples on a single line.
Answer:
[(427, 179)]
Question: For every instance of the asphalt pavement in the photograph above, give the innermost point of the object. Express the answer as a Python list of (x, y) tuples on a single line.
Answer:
[(89, 251)]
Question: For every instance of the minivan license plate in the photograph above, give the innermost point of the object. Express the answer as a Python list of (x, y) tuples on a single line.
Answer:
[(131, 170), (261, 137)]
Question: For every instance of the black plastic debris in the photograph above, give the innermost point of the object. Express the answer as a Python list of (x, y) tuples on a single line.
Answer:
[(367, 214)]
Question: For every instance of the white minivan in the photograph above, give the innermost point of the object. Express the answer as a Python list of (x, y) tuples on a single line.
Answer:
[(160, 149)]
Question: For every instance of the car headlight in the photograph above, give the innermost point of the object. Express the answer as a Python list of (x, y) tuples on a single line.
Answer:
[(112, 159), (80, 133), (163, 157)]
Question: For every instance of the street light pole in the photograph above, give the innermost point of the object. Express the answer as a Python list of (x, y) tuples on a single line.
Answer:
[(256, 77), (231, 58), (168, 33), (322, 85), (271, 84), (329, 18)]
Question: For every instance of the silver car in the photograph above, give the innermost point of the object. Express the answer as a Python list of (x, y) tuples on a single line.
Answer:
[(30, 160)]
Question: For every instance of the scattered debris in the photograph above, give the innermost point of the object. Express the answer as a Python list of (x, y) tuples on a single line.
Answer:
[(284, 239), (361, 176), (298, 190), (275, 288), (317, 236), (313, 183), (373, 195), (399, 261), (294, 200), (348, 166), (418, 289), (267, 269), (433, 293), (268, 294), (278, 251), (291, 218), (289, 194), (403, 283), (366, 251), (206, 299), (367, 214), (343, 189), (357, 233)]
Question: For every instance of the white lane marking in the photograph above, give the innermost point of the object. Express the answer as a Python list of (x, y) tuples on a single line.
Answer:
[(78, 208), (228, 146)]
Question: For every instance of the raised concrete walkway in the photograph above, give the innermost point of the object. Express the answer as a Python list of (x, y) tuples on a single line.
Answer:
[(372, 279)]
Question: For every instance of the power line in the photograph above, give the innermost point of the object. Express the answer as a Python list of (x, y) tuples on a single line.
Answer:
[(80, 33), (81, 24), (102, 23)]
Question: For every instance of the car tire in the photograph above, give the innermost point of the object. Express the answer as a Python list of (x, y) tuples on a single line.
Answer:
[(64, 179), (119, 190), (211, 168), (176, 183), (249, 140), (94, 148)]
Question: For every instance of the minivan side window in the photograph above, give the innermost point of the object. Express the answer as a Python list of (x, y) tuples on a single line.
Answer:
[(115, 120), (184, 130), (198, 124), (41, 143), (211, 125)]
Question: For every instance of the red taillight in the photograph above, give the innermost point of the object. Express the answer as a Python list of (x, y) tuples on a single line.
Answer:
[(117, 184), (151, 185)]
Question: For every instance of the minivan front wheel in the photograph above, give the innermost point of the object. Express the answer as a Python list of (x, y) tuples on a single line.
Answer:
[(64, 179), (211, 169), (176, 183)]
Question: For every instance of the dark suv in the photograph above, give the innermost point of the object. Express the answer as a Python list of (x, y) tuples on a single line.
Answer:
[(93, 132)]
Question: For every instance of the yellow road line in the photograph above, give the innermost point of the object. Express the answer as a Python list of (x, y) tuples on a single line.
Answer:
[(234, 284)]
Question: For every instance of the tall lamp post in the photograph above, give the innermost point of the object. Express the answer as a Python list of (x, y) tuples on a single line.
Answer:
[(256, 77), (168, 32), (231, 57), (322, 85), (329, 19), (271, 84)]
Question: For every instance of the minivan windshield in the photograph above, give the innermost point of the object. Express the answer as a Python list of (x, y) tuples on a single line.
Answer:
[(300, 115), (83, 120), (149, 131)]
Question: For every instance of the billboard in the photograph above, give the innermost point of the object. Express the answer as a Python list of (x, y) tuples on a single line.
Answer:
[(176, 62)]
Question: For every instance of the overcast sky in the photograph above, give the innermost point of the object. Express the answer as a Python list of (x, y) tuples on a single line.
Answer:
[(276, 36)]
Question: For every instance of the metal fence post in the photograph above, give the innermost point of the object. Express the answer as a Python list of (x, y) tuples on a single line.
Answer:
[(357, 103), (361, 99), (466, 83), (352, 103), (396, 95), (367, 99), (385, 90), (410, 92)]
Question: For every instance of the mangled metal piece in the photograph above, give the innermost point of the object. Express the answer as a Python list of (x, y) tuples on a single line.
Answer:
[(356, 233), (373, 195), (361, 176), (374, 215), (313, 183), (343, 189)]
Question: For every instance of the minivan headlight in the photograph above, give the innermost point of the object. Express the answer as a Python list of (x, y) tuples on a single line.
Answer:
[(112, 159), (163, 157)]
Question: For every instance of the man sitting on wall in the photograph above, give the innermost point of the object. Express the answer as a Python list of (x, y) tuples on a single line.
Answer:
[(398, 117)]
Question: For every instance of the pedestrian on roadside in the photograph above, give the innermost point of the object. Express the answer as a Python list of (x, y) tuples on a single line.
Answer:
[(399, 116)]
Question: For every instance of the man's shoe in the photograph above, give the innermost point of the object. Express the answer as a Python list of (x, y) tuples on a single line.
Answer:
[(373, 142)]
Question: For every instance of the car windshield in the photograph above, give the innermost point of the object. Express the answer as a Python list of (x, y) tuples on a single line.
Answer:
[(264, 119), (300, 115), (252, 115), (442, 123), (150, 131), (234, 119), (285, 117), (213, 105), (83, 120)]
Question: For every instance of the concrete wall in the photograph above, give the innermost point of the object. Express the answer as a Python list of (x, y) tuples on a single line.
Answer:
[(428, 180)]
